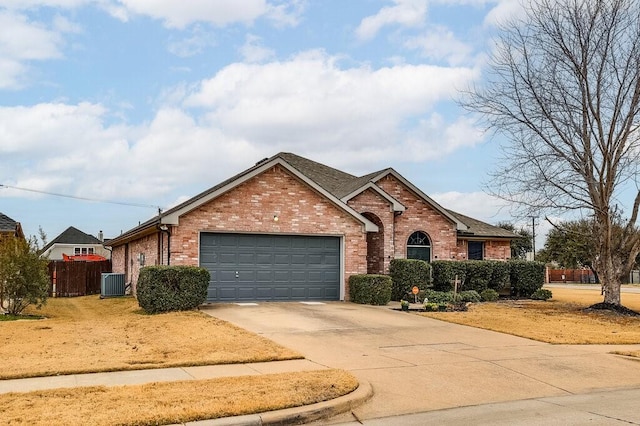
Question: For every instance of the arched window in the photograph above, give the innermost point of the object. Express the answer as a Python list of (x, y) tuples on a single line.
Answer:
[(419, 246)]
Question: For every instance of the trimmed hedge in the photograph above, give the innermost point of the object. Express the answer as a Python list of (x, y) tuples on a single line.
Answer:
[(501, 275), (478, 274), (406, 273), (445, 271), (171, 288), (370, 289), (526, 277)]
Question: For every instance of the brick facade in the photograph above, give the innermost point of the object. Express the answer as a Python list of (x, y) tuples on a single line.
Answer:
[(373, 206), (419, 216), (251, 208), (276, 201)]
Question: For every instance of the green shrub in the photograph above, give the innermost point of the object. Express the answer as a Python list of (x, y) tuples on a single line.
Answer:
[(370, 289), (542, 294), (468, 296), (432, 296), (526, 277), (500, 275), (489, 295), (406, 273), (431, 307), (171, 288), (478, 274), (445, 271)]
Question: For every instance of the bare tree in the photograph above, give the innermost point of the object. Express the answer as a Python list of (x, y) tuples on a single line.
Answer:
[(563, 86)]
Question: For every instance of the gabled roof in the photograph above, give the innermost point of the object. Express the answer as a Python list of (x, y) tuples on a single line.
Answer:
[(323, 179), (72, 236), (480, 229), (10, 226), (335, 185), (460, 226)]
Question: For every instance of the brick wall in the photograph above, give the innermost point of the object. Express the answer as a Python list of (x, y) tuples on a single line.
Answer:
[(251, 208), (419, 216), (497, 250), (147, 245), (370, 202)]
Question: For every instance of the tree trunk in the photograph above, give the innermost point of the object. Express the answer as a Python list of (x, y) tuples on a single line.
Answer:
[(611, 285)]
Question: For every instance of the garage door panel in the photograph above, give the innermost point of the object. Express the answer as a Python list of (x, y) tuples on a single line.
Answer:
[(227, 258), (246, 293), (264, 259), (246, 259), (281, 259), (271, 267)]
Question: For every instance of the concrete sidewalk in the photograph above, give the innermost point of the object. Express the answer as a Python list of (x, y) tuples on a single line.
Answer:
[(138, 377)]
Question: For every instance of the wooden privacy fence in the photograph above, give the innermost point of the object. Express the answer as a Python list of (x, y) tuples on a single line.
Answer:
[(570, 276), (78, 278)]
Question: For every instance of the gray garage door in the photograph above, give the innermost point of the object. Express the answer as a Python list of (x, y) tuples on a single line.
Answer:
[(246, 267)]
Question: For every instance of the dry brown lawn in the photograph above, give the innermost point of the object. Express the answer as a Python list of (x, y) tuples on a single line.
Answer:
[(178, 402), (561, 320), (89, 334)]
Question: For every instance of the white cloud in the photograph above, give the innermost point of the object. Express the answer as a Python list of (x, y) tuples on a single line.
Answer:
[(253, 51), (439, 44), (23, 41), (503, 11), (311, 98), (478, 205), (197, 42), (180, 14), (408, 13), (354, 117)]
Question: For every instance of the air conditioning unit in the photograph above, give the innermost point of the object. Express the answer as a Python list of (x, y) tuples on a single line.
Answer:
[(112, 285)]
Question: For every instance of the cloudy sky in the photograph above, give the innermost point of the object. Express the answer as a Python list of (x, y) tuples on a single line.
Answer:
[(150, 102)]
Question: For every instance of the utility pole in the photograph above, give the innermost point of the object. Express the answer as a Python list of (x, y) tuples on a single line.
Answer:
[(533, 236)]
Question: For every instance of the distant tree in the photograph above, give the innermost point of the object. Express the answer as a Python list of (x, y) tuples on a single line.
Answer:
[(24, 279), (563, 86), (570, 245), (573, 244), (519, 246)]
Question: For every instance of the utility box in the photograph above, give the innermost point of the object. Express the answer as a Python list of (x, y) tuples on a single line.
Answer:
[(112, 285)]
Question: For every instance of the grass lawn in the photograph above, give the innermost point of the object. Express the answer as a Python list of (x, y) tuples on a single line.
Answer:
[(179, 402), (561, 320), (89, 334)]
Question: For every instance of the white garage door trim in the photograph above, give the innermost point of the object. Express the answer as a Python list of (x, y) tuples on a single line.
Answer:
[(250, 271)]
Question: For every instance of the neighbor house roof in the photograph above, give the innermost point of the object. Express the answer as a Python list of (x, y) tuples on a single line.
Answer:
[(72, 236), (10, 226)]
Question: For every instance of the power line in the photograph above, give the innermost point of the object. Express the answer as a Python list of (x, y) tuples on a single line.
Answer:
[(95, 200)]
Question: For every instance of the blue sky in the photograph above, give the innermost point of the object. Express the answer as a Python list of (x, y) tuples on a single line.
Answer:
[(150, 102)]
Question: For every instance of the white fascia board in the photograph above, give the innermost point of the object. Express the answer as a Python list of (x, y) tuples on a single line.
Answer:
[(396, 205), (173, 217), (459, 225)]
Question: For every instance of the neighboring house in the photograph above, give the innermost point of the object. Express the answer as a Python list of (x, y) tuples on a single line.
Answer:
[(74, 244), (293, 229), (9, 227)]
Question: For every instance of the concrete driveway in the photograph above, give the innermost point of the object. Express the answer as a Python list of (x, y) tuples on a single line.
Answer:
[(418, 364)]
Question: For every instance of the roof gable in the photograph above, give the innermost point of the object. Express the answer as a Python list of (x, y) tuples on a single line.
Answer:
[(10, 226), (460, 226), (72, 236), (7, 224)]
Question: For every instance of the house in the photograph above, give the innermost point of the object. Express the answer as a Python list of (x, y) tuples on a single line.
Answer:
[(290, 228), (73, 244), (9, 227)]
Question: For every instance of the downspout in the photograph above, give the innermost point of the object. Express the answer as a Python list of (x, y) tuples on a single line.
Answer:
[(165, 229)]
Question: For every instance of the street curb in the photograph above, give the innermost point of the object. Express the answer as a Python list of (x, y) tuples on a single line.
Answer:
[(297, 415)]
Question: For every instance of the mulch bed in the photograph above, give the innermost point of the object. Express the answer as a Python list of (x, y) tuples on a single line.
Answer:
[(613, 308)]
